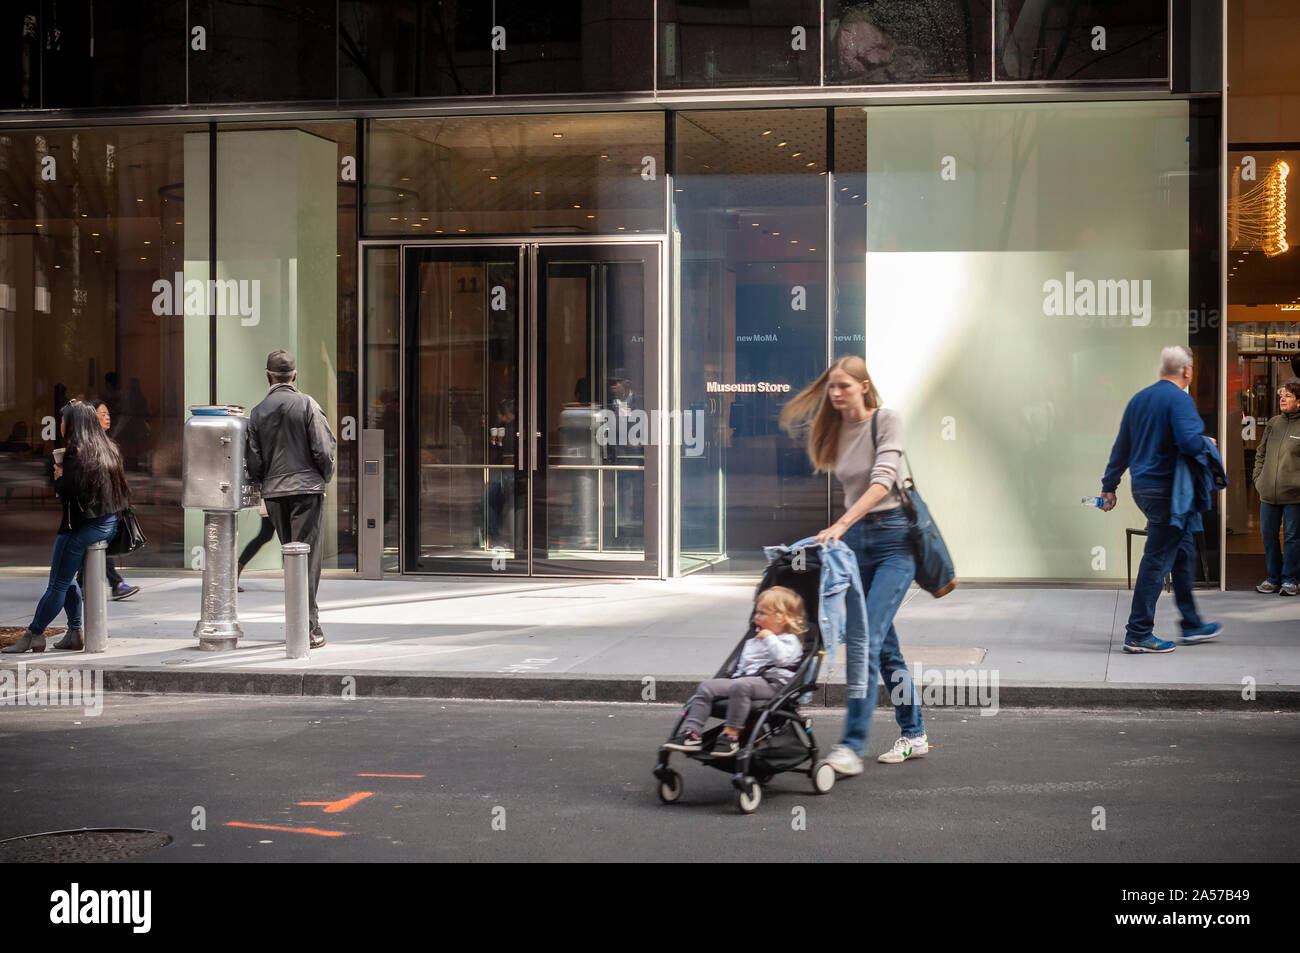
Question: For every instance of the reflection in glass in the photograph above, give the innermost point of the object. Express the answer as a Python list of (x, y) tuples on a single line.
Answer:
[(705, 44), (80, 318), (392, 49), (1082, 39), (112, 54), (501, 175), (750, 204), (575, 46), (263, 52), (930, 41), (462, 391)]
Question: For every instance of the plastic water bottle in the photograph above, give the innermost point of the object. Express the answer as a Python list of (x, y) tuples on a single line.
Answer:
[(1096, 501)]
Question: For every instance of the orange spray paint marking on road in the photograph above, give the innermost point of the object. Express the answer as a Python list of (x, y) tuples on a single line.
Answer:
[(289, 830), (390, 775), (337, 807)]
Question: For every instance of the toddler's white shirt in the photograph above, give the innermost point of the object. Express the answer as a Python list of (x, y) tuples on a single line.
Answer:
[(784, 650)]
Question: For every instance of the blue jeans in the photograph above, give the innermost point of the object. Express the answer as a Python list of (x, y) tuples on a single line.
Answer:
[(62, 591), (1169, 551), (1283, 561), (887, 567)]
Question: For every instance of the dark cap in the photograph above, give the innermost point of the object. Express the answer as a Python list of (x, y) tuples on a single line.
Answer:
[(280, 362)]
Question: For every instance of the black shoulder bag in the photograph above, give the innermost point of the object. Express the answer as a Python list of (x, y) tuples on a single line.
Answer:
[(934, 569), (129, 537)]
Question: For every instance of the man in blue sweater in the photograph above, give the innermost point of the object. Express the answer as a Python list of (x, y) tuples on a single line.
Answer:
[(1160, 422)]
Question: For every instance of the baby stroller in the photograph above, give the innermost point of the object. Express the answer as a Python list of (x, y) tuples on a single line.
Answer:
[(777, 738)]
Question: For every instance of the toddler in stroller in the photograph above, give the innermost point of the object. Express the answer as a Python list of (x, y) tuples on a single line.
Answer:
[(756, 693)]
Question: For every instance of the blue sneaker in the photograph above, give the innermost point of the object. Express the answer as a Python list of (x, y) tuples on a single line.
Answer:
[(1148, 645), (1203, 634)]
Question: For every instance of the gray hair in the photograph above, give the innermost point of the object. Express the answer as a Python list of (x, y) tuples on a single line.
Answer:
[(1173, 359)]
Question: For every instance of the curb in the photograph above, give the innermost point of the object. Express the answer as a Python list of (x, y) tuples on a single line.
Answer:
[(666, 691)]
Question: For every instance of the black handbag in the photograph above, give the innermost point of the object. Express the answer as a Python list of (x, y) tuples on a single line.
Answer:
[(934, 570), (129, 537)]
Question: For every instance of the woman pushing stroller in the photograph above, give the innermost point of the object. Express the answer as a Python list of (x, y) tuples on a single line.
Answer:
[(852, 436)]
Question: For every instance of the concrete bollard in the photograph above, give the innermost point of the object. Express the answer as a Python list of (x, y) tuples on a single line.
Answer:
[(297, 640), (94, 597)]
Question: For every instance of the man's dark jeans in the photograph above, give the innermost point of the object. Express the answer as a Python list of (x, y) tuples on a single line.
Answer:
[(1168, 550), (298, 519)]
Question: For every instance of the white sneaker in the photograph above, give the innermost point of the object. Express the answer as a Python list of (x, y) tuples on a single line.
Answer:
[(905, 748), (843, 759)]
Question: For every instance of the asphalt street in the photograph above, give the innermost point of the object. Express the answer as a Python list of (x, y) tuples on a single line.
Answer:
[(310, 779)]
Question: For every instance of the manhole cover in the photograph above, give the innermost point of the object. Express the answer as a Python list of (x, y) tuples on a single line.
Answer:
[(89, 845), (9, 634)]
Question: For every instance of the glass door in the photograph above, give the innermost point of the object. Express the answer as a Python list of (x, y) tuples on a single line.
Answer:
[(533, 424), (465, 483), (595, 409)]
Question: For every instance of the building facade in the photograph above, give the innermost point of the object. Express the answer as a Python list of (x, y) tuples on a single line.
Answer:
[(563, 263)]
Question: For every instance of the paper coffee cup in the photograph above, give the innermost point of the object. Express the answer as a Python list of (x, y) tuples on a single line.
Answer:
[(58, 456)]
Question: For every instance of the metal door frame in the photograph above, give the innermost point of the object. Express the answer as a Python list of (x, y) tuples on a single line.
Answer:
[(528, 246)]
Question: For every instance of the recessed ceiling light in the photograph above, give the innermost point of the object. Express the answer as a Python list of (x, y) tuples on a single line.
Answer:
[(795, 155), (767, 133), (139, 200), (557, 135), (148, 243), (806, 164), (783, 142)]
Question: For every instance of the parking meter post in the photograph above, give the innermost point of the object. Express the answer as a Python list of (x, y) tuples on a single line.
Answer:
[(214, 480), (218, 628), (296, 620), (95, 597)]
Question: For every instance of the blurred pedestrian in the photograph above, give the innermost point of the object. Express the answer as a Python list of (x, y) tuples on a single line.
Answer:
[(1277, 478), (1160, 424), (91, 482), (291, 452)]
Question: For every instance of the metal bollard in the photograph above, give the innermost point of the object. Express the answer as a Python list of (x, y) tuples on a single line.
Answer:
[(296, 621), (94, 597)]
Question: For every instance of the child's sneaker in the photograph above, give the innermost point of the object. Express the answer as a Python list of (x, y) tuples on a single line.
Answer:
[(905, 748), (844, 760), (685, 741), (725, 746)]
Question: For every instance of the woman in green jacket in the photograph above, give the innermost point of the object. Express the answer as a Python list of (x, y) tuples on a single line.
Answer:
[(1277, 478)]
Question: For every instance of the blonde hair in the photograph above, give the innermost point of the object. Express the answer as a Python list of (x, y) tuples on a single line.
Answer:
[(786, 603), (811, 405)]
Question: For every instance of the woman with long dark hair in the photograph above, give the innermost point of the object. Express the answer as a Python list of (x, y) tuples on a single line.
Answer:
[(851, 435), (92, 485)]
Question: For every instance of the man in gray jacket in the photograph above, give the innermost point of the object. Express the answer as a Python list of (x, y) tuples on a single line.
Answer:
[(291, 451)]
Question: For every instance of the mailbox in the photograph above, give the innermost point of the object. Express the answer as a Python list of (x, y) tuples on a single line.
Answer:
[(212, 475)]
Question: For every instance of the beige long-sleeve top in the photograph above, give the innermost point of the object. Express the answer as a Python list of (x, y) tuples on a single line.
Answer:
[(859, 464)]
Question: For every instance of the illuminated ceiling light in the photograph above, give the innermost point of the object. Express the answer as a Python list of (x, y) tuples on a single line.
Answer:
[(622, 227), (406, 178), (857, 195), (180, 223), (98, 252), (58, 266), (139, 200), (844, 189), (142, 258), (39, 225), (416, 225), (782, 143), (604, 156), (806, 164), (392, 218), (812, 249), (591, 216), (577, 206), (84, 215), (794, 241), (755, 224), (766, 133), (492, 177), (557, 135), (537, 193), (96, 234), (424, 218), (148, 243), (776, 233), (795, 155), (462, 229)]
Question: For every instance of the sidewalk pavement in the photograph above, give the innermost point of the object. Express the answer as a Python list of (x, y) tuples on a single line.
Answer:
[(580, 640)]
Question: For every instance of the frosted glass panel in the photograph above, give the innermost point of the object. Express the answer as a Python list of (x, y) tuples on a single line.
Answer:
[(1020, 284)]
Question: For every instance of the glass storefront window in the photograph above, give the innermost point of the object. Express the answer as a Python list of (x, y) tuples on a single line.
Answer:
[(90, 221), (703, 44), (750, 209), (512, 175), (1082, 39), (932, 41), (20, 56), (286, 232)]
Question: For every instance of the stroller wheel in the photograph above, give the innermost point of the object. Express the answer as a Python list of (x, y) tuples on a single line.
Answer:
[(749, 796), (823, 777), (671, 789)]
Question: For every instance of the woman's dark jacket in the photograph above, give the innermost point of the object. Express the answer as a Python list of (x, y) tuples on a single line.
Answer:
[(80, 508)]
